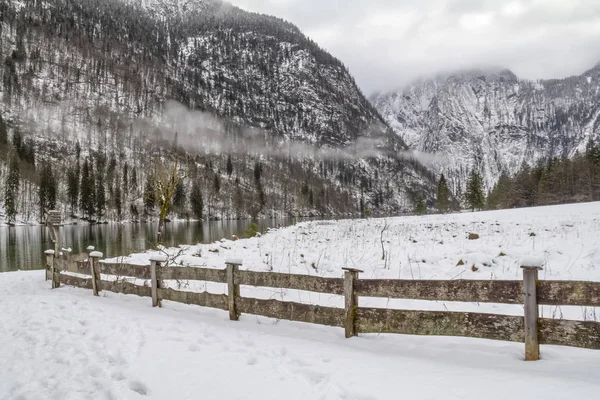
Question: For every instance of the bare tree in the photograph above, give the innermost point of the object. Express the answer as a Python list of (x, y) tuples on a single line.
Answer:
[(167, 175)]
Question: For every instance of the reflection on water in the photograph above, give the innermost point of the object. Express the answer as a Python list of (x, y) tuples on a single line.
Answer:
[(22, 247)]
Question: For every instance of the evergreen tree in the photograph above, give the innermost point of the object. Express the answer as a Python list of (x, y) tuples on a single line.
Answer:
[(17, 142), (196, 200), (100, 195), (47, 190), (229, 165), (149, 194), (443, 195), (179, 198), (474, 194), (87, 190), (73, 187), (3, 132), (217, 183), (420, 207), (11, 189), (118, 201)]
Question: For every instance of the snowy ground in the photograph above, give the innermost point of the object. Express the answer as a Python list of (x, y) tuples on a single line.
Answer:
[(566, 237), (67, 344)]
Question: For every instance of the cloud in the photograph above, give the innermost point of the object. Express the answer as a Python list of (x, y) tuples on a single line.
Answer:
[(388, 43)]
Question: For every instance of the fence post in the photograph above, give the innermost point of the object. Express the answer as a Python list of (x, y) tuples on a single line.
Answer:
[(532, 345), (233, 290), (50, 265), (94, 257), (350, 300), (155, 261)]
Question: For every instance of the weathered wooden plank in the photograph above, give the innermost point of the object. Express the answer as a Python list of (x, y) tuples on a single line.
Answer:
[(85, 283), (77, 267), (585, 334), (292, 311), (507, 292), (291, 281), (569, 293), (126, 288), (440, 323), (204, 299), (192, 273), (133, 271)]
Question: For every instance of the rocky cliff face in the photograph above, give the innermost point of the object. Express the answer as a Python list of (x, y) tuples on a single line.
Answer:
[(493, 121), (106, 72)]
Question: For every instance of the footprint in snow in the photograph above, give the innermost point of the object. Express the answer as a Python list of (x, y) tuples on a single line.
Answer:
[(118, 375), (252, 360), (138, 387)]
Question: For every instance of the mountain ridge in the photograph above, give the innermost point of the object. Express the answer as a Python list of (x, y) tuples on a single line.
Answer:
[(494, 122)]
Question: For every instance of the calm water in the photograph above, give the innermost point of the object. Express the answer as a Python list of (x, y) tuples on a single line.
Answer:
[(22, 247)]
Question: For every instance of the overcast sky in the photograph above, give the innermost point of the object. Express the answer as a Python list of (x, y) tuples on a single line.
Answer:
[(387, 43)]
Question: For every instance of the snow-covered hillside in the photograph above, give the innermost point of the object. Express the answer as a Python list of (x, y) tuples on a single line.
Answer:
[(131, 80), (493, 121), (67, 344)]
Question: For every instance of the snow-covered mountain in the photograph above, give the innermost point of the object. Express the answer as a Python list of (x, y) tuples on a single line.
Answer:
[(106, 72), (494, 121)]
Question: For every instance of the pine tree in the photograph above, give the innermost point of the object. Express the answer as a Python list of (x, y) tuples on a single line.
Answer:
[(12, 190), (217, 183), (443, 195), (229, 165), (149, 194), (100, 192), (73, 187), (420, 207), (3, 132), (474, 194), (47, 190), (118, 201), (17, 142), (196, 200), (179, 198), (125, 179), (87, 197)]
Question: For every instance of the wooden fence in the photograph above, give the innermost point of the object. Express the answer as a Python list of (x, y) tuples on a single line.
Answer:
[(530, 292)]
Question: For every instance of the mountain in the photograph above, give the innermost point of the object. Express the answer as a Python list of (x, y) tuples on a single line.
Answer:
[(493, 121), (121, 83)]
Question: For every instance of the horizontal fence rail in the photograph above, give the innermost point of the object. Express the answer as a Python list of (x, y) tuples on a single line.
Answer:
[(530, 292)]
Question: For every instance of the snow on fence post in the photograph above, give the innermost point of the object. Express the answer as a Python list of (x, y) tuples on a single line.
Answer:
[(155, 261), (50, 265), (350, 300), (233, 290), (531, 267), (94, 257)]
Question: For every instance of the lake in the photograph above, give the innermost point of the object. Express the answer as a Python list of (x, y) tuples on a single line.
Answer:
[(22, 247)]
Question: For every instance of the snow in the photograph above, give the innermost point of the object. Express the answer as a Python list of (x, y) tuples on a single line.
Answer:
[(532, 262), (49, 252), (158, 258), (429, 247), (96, 254), (67, 344)]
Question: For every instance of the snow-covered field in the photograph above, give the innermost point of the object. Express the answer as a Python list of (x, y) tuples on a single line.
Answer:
[(67, 344)]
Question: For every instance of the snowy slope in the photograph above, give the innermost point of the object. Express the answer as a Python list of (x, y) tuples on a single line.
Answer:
[(494, 121)]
